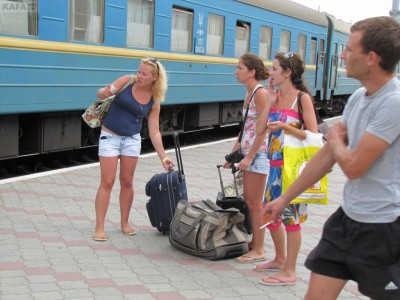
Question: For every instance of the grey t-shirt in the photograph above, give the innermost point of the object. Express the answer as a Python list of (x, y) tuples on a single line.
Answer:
[(375, 197)]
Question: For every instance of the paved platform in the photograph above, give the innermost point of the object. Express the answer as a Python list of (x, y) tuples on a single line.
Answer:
[(47, 251)]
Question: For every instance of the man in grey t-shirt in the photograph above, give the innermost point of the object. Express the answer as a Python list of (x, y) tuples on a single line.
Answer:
[(361, 240)]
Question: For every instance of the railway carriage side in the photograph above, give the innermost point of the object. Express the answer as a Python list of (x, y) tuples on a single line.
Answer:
[(54, 58), (338, 86), (318, 38)]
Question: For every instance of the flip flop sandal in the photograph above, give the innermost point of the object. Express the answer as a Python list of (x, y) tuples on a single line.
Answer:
[(279, 282), (99, 237), (131, 231), (249, 259)]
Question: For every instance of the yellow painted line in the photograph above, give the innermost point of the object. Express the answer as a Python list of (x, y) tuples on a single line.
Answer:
[(83, 49), (60, 47)]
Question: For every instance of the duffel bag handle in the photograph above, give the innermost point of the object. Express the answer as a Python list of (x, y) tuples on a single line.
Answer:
[(216, 208)]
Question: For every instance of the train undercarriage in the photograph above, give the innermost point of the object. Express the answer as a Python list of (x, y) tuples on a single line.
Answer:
[(39, 133)]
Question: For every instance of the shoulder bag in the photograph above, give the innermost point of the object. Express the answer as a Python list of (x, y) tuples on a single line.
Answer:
[(95, 113)]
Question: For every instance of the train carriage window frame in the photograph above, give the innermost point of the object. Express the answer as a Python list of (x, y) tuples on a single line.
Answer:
[(313, 51), (334, 66), (242, 38), (321, 55), (301, 46), (341, 60), (182, 30), (265, 46), (86, 21), (284, 41), (20, 18), (140, 23), (215, 35)]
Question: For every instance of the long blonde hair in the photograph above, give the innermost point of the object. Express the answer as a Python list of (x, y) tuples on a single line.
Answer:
[(160, 86)]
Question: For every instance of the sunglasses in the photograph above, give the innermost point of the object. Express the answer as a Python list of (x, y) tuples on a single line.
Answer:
[(289, 55), (154, 61)]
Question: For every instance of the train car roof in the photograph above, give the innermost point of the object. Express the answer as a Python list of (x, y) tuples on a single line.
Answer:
[(340, 25), (291, 9)]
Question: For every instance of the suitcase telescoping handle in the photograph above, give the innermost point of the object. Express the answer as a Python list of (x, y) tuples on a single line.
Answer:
[(222, 183), (181, 173)]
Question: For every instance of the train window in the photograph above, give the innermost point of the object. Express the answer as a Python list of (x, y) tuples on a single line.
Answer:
[(341, 62), (334, 55), (301, 46), (242, 39), (18, 17), (140, 23), (313, 51), (86, 20), (182, 30), (334, 67), (215, 35), (265, 42), (321, 52), (284, 41)]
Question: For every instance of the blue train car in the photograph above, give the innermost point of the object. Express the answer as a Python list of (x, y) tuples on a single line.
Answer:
[(54, 55), (338, 85)]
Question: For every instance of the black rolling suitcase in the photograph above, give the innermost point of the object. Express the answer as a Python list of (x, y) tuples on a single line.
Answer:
[(165, 191), (235, 201)]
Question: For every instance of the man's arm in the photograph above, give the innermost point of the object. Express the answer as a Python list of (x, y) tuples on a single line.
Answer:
[(354, 162)]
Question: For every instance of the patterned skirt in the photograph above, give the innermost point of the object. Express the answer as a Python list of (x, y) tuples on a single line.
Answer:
[(294, 213)]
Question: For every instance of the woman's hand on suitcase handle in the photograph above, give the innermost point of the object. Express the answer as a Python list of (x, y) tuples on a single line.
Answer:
[(226, 165), (167, 163)]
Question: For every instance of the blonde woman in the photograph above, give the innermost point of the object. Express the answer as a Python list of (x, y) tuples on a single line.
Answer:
[(120, 137)]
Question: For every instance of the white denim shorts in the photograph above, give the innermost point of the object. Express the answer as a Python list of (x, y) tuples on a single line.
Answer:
[(111, 145), (260, 164)]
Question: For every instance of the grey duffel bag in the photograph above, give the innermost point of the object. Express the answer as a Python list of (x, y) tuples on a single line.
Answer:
[(203, 229)]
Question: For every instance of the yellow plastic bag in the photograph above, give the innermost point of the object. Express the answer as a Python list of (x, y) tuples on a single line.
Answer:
[(296, 155)]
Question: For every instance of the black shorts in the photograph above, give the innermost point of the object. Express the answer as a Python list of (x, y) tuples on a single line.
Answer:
[(368, 253)]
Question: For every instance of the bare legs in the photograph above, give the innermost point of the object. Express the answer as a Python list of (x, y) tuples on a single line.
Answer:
[(108, 167), (279, 239), (127, 170), (253, 192), (324, 287), (286, 262)]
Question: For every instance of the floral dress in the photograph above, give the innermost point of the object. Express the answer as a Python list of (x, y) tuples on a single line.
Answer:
[(294, 213), (249, 132)]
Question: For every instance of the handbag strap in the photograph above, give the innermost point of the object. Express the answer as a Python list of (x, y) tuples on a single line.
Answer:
[(132, 79), (300, 111), (247, 111)]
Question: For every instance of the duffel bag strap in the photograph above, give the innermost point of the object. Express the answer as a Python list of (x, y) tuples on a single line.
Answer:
[(178, 216)]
